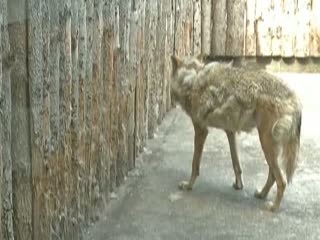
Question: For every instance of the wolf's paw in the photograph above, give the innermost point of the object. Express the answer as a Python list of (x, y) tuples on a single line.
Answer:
[(237, 185), (258, 194), (270, 206), (184, 185)]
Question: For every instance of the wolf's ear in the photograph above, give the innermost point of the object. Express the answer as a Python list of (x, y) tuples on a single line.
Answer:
[(176, 62)]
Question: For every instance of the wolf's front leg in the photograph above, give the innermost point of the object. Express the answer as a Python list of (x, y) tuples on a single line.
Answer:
[(200, 135), (238, 184)]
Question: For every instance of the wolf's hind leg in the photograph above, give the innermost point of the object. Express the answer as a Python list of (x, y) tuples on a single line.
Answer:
[(238, 184), (262, 194), (200, 135), (271, 152)]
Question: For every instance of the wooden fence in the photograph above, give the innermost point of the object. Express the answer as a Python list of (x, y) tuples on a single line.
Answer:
[(83, 84), (262, 28)]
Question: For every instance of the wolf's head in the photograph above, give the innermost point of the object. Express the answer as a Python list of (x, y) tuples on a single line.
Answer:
[(184, 72), (185, 69), (194, 63)]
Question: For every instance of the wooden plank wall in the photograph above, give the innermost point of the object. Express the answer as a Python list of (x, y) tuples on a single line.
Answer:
[(83, 84), (5, 128), (262, 28)]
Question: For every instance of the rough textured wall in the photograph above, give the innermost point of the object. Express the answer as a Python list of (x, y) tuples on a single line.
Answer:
[(83, 84), (262, 28), (5, 127)]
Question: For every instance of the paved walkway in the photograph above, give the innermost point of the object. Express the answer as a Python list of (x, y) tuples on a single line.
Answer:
[(149, 205)]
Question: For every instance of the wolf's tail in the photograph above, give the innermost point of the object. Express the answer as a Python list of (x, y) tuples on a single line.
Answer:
[(286, 132)]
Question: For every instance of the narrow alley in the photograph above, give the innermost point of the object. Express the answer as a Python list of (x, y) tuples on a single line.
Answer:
[(150, 206)]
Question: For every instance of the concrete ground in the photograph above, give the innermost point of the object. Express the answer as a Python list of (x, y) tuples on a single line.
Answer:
[(149, 205)]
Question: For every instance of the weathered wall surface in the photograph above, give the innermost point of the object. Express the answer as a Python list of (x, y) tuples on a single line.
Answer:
[(262, 28), (83, 84)]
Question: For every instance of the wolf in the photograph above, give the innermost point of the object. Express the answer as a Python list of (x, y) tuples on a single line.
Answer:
[(236, 99)]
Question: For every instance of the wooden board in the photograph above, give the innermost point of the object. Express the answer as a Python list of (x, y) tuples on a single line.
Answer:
[(74, 212), (205, 27), (89, 147), (82, 49), (288, 28), (251, 37), (197, 27), (46, 220), (133, 65), (168, 52), (96, 164), (146, 63), (5, 128), (53, 167), (65, 152), (161, 48), (122, 79), (302, 33), (219, 28), (235, 28), (276, 27), (114, 88), (140, 83), (35, 67), (153, 106), (178, 27), (263, 22), (188, 28), (315, 29), (21, 160)]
